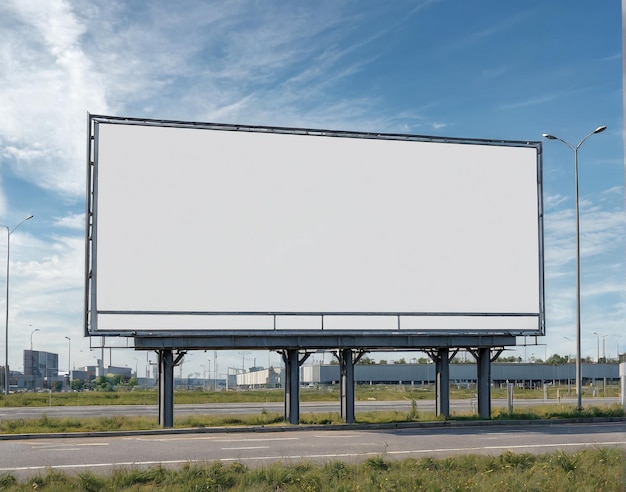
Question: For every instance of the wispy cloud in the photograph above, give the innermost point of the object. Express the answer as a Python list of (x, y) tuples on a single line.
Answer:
[(469, 39), (531, 101)]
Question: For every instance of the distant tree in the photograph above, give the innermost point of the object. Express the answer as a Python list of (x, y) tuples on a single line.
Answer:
[(366, 361), (382, 362), (103, 383), (510, 358), (400, 361), (423, 360), (556, 360), (77, 384), (105, 387), (115, 379)]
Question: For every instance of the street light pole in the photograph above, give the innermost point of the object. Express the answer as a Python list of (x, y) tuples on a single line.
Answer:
[(69, 359), (31, 339), (579, 389), (6, 307), (598, 353), (243, 360)]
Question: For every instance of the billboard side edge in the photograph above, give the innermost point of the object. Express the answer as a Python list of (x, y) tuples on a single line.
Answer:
[(542, 300), (91, 315)]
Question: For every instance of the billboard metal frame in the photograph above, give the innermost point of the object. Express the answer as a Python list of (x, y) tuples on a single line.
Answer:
[(296, 345), (280, 335)]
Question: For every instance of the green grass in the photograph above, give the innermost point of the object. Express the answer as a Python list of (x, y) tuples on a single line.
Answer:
[(558, 412), (331, 393), (586, 470)]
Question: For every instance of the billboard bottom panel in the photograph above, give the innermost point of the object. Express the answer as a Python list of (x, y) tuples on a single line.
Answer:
[(201, 323)]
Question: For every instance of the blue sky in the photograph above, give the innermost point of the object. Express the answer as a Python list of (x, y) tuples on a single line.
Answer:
[(492, 69)]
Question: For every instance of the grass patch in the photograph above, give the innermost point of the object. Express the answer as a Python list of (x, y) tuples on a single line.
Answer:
[(589, 469), (558, 412), (47, 424), (363, 392)]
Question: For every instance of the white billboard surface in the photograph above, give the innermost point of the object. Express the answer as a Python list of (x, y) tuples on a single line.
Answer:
[(206, 228)]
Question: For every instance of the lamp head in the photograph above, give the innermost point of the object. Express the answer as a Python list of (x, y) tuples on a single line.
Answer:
[(600, 129), (549, 137)]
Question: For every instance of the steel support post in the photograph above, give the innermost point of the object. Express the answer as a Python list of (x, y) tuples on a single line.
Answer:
[(346, 362), (166, 389), (442, 380), (292, 386), (484, 382)]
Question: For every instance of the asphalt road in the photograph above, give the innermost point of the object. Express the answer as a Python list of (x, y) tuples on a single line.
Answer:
[(468, 405), (27, 457)]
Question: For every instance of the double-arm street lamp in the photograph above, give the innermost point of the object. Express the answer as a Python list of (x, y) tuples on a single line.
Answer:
[(6, 307), (574, 148)]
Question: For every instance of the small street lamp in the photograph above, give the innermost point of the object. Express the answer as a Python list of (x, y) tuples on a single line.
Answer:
[(69, 359), (6, 307), (31, 338)]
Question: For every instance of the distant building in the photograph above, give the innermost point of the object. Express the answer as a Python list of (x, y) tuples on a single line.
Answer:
[(39, 366), (522, 374), (127, 372), (258, 377)]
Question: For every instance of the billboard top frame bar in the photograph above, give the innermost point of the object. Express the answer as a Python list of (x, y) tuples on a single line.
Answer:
[(311, 131)]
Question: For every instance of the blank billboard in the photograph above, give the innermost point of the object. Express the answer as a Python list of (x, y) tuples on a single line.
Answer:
[(201, 227)]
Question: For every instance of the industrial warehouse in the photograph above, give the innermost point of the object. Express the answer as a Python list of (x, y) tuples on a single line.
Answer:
[(527, 375)]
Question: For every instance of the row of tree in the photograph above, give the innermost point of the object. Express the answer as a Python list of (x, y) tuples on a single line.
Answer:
[(103, 383)]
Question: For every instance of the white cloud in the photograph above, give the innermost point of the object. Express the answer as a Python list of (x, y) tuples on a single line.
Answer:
[(48, 82), (603, 282), (553, 201), (46, 292), (71, 221)]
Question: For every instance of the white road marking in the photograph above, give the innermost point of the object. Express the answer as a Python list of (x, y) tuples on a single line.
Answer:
[(212, 438), (245, 447), (339, 436), (44, 445)]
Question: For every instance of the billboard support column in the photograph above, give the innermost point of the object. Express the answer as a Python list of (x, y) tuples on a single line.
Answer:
[(442, 379), (166, 389), (292, 386), (484, 382), (346, 368)]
